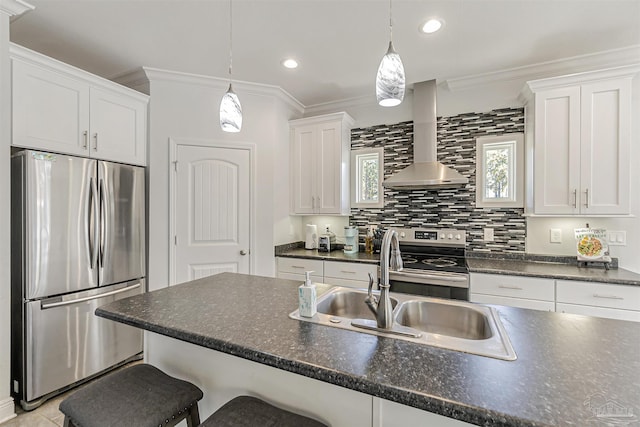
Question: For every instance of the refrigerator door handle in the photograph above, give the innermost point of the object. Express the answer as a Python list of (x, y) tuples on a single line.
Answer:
[(102, 222), (75, 301), (92, 209)]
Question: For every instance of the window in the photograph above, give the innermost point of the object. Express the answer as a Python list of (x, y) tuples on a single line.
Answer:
[(500, 171), (367, 168)]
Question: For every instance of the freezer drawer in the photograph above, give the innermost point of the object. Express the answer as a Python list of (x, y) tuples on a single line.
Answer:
[(66, 342)]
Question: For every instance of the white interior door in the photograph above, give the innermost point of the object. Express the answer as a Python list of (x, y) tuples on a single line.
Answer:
[(212, 211)]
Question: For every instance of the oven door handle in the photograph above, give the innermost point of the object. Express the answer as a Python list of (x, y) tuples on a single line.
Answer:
[(454, 281)]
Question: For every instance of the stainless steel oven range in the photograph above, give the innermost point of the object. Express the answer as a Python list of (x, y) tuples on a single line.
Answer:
[(433, 263)]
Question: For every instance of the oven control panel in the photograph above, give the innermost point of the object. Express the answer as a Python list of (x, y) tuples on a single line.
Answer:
[(444, 236)]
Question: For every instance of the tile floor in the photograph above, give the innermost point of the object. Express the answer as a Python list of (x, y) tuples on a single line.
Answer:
[(46, 415)]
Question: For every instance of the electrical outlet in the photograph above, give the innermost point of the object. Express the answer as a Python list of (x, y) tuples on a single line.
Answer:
[(617, 238), (488, 234), (555, 235)]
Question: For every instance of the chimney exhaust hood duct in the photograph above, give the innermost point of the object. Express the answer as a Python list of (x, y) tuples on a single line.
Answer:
[(425, 172)]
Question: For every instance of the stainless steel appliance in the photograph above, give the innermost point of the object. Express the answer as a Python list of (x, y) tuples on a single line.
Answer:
[(78, 241), (433, 263)]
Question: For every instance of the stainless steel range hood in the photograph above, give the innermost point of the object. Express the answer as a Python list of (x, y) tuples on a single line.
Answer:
[(425, 172)]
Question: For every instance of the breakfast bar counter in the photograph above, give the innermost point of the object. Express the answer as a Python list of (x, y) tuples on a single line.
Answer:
[(234, 330)]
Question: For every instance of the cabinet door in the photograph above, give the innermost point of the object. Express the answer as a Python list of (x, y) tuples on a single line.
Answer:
[(303, 166), (604, 177), (608, 313), (118, 127), (557, 151), (513, 302), (50, 111), (329, 174)]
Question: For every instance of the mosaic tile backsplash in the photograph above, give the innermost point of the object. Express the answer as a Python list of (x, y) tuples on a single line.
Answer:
[(447, 208)]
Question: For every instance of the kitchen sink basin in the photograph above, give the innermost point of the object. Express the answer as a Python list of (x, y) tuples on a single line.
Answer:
[(347, 304), (451, 324), (442, 318)]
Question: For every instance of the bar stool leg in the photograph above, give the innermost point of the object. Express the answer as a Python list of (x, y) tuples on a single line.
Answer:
[(193, 419)]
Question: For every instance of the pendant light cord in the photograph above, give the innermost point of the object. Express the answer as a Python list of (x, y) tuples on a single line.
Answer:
[(230, 38), (390, 23)]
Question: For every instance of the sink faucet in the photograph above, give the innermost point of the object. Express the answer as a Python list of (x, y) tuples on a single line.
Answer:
[(382, 307)]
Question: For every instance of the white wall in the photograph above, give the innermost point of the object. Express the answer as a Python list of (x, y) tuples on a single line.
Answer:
[(8, 8), (6, 409), (185, 106)]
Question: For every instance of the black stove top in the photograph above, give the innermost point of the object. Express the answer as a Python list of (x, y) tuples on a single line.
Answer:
[(435, 260)]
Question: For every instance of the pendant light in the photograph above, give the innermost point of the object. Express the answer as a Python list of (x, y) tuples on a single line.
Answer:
[(390, 80), (230, 108)]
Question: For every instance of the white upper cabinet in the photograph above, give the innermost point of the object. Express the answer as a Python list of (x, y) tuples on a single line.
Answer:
[(580, 143), (56, 107), (320, 160)]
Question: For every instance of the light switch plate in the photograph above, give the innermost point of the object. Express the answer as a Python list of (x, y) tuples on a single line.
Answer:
[(555, 235), (488, 234), (617, 238)]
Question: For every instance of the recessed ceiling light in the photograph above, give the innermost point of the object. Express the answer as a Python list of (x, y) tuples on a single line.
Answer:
[(290, 63), (431, 26)]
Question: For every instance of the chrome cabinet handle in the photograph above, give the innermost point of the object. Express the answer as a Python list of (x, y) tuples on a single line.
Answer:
[(243, 252), (348, 272), (575, 197), (516, 288), (95, 140), (586, 198), (607, 296), (85, 134), (297, 266), (313, 203)]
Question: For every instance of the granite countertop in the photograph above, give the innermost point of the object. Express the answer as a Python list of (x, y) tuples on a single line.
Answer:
[(564, 361), (554, 267), (552, 270), (336, 255)]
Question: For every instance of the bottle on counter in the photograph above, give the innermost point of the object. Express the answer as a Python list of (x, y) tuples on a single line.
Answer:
[(307, 299), (368, 241)]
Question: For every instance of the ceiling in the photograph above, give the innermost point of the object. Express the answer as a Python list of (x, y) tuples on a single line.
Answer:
[(339, 43)]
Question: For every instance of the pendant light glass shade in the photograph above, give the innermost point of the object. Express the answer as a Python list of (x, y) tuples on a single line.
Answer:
[(390, 81), (230, 112), (230, 108)]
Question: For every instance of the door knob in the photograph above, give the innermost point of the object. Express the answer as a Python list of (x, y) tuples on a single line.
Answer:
[(243, 252)]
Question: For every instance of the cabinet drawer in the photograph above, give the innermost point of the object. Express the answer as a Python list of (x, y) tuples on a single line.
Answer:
[(609, 313), (335, 281), (300, 265), (513, 286), (513, 302), (298, 277), (350, 270), (599, 294)]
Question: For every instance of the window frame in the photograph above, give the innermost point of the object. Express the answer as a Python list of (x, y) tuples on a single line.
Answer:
[(516, 171), (355, 177)]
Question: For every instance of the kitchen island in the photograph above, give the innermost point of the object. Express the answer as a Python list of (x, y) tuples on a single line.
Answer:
[(231, 334)]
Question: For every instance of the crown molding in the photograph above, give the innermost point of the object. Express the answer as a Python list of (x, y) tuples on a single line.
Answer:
[(147, 75), (594, 61), (15, 7), (23, 54)]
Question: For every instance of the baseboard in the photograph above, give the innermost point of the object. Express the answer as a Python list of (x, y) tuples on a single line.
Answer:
[(7, 410)]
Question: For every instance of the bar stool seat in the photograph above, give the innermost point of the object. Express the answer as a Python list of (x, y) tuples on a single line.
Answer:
[(141, 396), (247, 411)]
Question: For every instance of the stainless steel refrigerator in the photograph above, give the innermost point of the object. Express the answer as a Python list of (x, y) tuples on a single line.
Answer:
[(78, 241)]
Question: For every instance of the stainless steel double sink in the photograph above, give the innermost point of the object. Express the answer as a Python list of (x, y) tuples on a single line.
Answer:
[(451, 324)]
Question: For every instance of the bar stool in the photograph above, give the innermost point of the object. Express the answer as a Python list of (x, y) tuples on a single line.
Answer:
[(141, 396), (247, 411)]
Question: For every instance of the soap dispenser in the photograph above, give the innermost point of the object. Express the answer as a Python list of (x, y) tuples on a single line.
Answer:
[(307, 300)]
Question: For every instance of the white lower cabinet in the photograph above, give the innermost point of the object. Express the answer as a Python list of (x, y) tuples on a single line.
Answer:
[(294, 269), (349, 274), (514, 291), (598, 299), (337, 273)]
